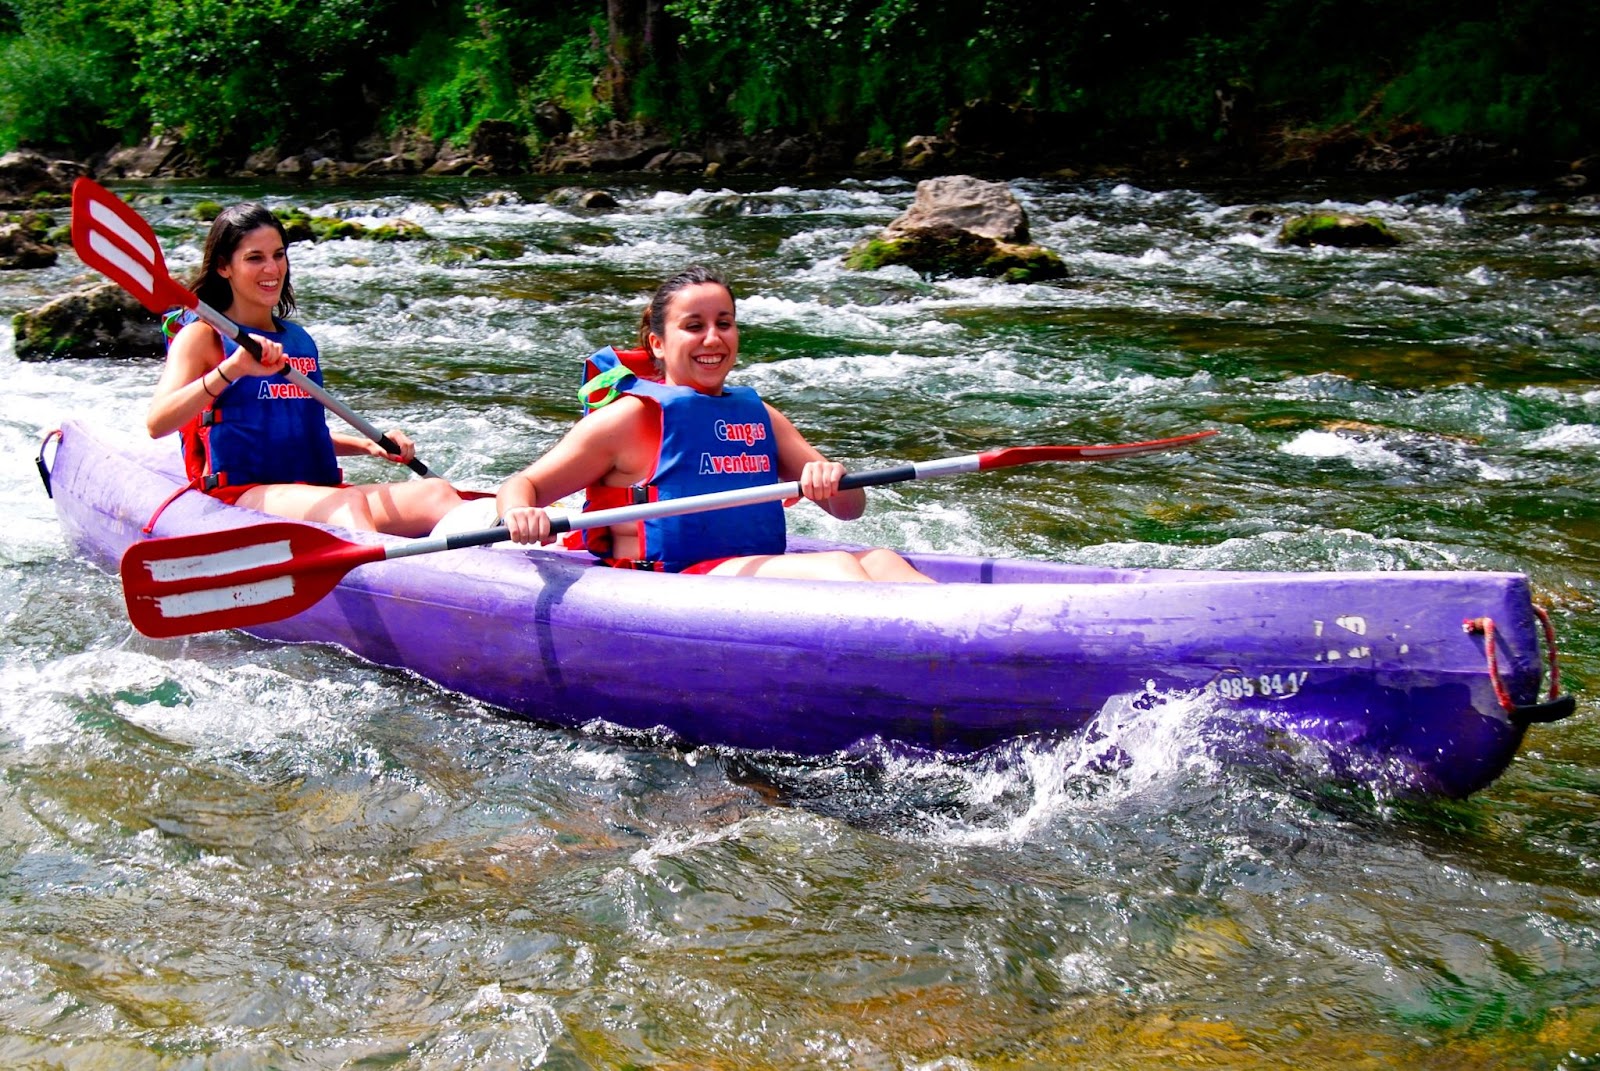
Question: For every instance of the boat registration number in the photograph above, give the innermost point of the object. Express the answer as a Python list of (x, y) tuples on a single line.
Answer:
[(1265, 685)]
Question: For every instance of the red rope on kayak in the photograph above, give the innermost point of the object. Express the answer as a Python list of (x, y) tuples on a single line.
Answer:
[(150, 525), (1485, 626), (1550, 645)]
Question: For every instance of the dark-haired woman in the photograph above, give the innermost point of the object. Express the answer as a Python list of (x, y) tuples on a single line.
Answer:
[(690, 434), (252, 437)]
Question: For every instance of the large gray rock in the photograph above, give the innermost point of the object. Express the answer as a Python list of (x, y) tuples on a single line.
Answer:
[(615, 147), (960, 226), (27, 177), (158, 156), (988, 209), (103, 321)]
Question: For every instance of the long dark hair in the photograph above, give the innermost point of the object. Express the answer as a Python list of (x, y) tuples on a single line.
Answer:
[(653, 321), (227, 231)]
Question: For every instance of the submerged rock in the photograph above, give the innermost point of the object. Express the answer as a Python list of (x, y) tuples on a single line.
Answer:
[(301, 226), (1336, 229), (580, 197)]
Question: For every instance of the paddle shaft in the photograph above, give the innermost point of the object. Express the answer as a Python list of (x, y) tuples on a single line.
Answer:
[(746, 496)]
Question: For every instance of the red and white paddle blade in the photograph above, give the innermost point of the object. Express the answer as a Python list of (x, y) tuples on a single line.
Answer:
[(113, 239), (234, 578), (1027, 455)]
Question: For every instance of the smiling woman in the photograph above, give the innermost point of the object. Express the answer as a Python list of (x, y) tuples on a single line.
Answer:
[(689, 433), (251, 436)]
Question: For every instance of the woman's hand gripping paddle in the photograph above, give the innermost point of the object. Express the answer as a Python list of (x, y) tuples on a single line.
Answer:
[(115, 240), (249, 576)]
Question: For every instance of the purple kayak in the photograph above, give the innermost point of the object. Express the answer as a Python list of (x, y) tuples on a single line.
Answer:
[(1420, 681)]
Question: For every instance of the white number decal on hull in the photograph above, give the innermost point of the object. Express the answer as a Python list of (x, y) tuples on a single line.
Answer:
[(1264, 686)]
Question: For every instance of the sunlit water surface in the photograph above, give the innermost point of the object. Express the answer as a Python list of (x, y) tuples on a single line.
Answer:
[(223, 853)]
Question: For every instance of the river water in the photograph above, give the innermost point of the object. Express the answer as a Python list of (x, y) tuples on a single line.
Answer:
[(223, 853)]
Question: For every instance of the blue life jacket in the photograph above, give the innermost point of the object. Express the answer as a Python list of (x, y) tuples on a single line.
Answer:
[(705, 443), (263, 429)]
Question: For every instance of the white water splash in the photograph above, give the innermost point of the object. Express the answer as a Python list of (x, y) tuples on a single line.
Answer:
[(1139, 748), (1326, 444)]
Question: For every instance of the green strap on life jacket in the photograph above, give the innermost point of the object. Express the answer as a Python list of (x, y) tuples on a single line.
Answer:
[(170, 325), (606, 381)]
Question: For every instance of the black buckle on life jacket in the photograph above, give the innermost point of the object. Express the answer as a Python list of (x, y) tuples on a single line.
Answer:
[(213, 481), (638, 494), (210, 417)]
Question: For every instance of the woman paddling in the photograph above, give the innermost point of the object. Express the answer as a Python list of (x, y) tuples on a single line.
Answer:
[(687, 435), (252, 437)]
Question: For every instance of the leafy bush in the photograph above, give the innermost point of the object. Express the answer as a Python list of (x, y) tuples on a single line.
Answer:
[(232, 77), (60, 65), (1475, 78), (485, 60), (50, 98)]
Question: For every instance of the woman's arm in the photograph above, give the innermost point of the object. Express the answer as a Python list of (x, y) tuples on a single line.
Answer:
[(819, 478), (605, 442), (196, 374)]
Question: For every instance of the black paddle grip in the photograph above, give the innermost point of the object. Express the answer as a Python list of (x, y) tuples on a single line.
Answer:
[(877, 477), (483, 537), (248, 344), (414, 465)]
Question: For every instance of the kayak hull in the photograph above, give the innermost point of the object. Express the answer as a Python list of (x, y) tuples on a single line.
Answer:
[(1372, 670)]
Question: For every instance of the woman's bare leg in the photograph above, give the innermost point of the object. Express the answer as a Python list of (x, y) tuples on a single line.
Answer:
[(825, 565), (411, 508), (408, 509), (344, 506)]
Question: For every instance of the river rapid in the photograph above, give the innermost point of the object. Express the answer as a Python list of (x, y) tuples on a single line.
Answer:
[(218, 852)]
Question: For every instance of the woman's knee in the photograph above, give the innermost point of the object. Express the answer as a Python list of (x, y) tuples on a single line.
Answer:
[(349, 507), (884, 564), (428, 499), (841, 565), (442, 495)]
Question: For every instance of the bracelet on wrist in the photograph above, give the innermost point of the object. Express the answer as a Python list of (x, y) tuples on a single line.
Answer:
[(203, 384), (224, 375)]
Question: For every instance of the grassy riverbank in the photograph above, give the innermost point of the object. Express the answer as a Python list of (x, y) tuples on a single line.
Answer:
[(1026, 85)]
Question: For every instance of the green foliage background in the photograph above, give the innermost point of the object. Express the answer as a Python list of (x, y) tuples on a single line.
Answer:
[(226, 77)]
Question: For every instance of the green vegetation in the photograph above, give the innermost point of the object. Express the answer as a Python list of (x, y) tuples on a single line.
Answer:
[(225, 78)]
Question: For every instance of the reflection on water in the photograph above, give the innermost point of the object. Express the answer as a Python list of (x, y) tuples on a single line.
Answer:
[(222, 852)]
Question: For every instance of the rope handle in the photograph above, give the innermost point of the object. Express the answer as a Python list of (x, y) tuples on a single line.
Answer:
[(53, 435), (1486, 627)]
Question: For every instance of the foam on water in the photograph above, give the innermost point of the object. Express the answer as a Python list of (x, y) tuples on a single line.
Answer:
[(1321, 549), (184, 701), (1360, 453), (1136, 750)]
